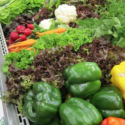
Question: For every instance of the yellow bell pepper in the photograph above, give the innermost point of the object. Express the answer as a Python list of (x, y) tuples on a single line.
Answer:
[(118, 77)]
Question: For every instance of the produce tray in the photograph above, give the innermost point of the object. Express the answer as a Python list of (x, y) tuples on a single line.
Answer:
[(11, 114)]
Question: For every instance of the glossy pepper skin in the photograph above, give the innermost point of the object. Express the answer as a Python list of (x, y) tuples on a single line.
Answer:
[(118, 77), (41, 103), (109, 102), (77, 111), (82, 79), (55, 121), (113, 121)]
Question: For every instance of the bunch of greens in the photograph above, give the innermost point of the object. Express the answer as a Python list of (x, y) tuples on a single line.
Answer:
[(113, 29), (15, 8), (11, 10), (3, 2), (115, 8), (111, 22), (74, 36), (87, 23), (110, 28), (22, 60)]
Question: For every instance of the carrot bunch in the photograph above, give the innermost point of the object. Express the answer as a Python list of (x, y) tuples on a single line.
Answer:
[(22, 45), (57, 31)]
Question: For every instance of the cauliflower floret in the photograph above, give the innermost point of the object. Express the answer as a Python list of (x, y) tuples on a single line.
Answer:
[(66, 14), (46, 23)]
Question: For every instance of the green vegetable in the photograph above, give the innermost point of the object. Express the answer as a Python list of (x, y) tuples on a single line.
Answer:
[(82, 79), (9, 12), (111, 23), (109, 11), (5, 67), (21, 60), (73, 36), (107, 27), (55, 121), (41, 103), (3, 2), (77, 111), (109, 102), (87, 23)]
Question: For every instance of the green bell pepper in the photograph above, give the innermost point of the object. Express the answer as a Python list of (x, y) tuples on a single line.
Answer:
[(41, 103), (109, 102), (82, 79), (77, 111), (55, 121)]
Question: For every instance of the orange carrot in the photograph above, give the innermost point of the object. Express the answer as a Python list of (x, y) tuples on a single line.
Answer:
[(28, 42), (28, 48), (59, 30), (18, 49)]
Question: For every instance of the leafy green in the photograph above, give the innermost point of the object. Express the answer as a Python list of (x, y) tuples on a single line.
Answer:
[(107, 27), (3, 2), (21, 60), (74, 36), (17, 7), (113, 29), (54, 2), (11, 10), (110, 27), (87, 23), (6, 67), (111, 23), (114, 9)]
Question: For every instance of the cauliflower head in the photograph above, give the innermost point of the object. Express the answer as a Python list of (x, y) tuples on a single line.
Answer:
[(66, 14), (46, 23)]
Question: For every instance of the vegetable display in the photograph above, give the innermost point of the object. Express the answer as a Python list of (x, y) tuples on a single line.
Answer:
[(82, 79), (66, 60), (41, 104), (77, 111), (109, 102)]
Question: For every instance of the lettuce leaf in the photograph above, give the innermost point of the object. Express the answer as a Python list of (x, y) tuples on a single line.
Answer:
[(22, 60)]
